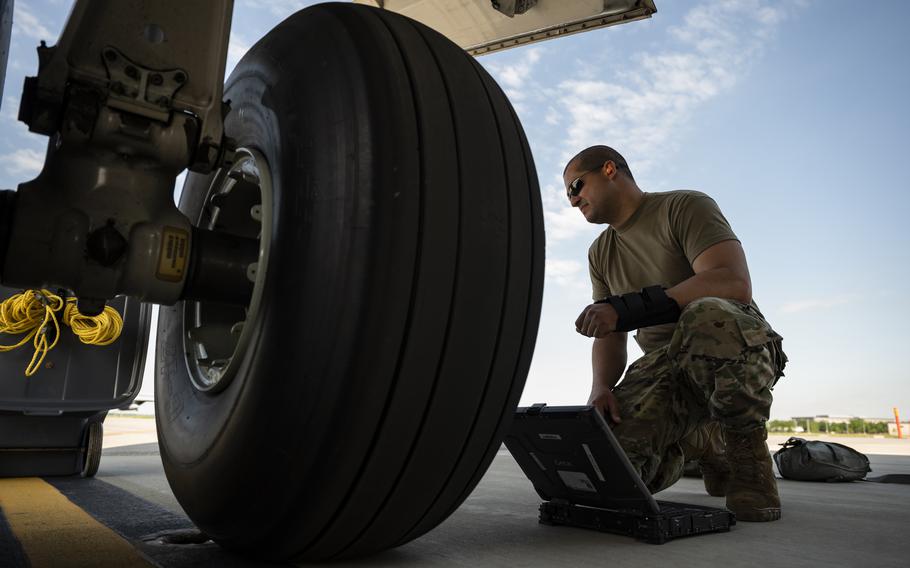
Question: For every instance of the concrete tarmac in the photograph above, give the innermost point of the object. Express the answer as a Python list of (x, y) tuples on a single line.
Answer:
[(823, 524)]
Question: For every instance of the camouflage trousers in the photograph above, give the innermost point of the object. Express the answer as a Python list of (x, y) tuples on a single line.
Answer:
[(719, 368)]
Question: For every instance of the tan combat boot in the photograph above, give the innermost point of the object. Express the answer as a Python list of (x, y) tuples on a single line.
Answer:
[(715, 469), (752, 493), (706, 458)]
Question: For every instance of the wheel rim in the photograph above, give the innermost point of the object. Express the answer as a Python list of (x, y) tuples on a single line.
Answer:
[(216, 336)]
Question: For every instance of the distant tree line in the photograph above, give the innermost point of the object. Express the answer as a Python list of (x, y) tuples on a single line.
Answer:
[(855, 426)]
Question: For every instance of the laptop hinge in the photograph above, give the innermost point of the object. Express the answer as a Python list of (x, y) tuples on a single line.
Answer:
[(559, 501), (535, 409)]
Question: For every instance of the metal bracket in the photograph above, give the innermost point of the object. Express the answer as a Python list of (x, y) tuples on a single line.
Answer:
[(158, 36), (139, 90)]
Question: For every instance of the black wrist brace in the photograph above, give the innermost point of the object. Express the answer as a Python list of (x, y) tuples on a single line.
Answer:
[(649, 307)]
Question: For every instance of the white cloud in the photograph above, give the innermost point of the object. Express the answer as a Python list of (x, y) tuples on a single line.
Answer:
[(26, 23), (279, 8), (23, 162), (237, 48), (814, 304), (10, 110), (563, 222), (513, 77), (565, 272), (553, 116), (645, 105)]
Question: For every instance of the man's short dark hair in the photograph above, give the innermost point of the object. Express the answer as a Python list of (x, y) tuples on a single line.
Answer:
[(596, 156)]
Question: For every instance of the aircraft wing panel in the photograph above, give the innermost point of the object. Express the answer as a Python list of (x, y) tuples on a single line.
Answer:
[(480, 28)]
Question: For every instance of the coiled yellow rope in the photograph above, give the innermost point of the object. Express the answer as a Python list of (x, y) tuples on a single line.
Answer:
[(102, 329), (30, 312), (33, 312)]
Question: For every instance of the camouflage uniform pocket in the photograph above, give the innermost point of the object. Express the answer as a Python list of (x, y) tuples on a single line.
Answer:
[(756, 331)]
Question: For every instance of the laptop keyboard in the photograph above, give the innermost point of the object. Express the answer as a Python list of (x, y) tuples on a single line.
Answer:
[(667, 508)]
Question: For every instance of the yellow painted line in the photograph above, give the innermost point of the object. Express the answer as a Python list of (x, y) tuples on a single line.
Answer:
[(54, 532)]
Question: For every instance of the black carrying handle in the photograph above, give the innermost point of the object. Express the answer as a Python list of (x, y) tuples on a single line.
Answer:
[(792, 442)]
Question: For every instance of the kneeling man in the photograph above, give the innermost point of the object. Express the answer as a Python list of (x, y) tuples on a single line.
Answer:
[(670, 266)]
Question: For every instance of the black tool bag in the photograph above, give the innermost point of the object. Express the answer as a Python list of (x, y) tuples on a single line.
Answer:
[(803, 460)]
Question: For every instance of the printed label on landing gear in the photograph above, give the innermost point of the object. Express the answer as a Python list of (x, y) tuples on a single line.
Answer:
[(175, 246)]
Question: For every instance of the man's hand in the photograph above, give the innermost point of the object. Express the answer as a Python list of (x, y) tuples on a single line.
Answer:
[(597, 320), (606, 402)]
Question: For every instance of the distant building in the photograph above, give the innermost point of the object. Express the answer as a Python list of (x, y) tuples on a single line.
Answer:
[(837, 419), (825, 422)]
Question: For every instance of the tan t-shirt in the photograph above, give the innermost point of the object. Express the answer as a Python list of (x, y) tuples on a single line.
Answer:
[(657, 245)]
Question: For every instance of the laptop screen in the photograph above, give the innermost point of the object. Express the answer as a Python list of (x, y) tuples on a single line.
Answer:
[(569, 453)]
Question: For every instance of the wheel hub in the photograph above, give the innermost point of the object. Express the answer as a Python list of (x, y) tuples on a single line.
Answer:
[(216, 335)]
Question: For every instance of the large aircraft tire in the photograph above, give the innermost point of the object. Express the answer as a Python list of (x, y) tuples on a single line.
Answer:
[(399, 305)]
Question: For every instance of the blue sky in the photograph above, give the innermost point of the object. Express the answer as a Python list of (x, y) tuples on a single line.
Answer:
[(792, 115)]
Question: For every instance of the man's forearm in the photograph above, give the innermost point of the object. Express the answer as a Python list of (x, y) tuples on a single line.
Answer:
[(608, 360)]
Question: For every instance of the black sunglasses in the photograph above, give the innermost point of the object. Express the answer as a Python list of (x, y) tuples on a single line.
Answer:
[(575, 186)]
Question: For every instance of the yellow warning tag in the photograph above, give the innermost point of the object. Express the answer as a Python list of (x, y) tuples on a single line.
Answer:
[(174, 252)]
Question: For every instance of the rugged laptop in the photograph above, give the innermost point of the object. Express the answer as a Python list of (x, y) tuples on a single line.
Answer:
[(585, 479)]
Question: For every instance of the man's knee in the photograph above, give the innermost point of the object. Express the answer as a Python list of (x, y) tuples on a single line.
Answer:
[(658, 463), (707, 312), (710, 326)]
